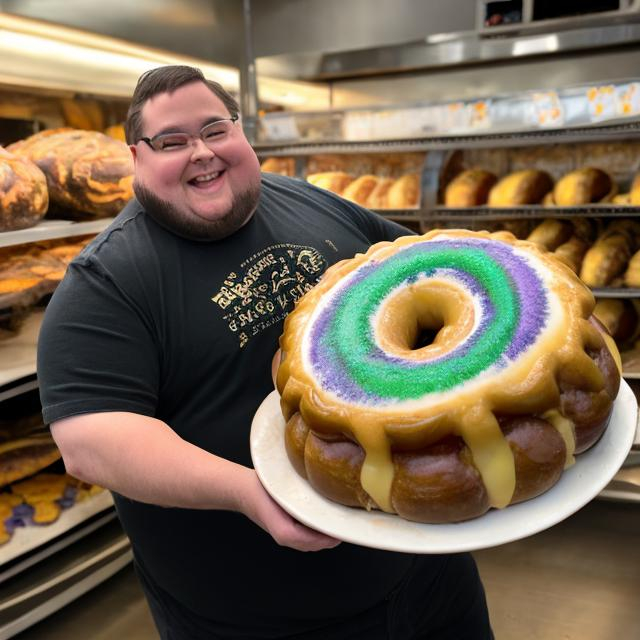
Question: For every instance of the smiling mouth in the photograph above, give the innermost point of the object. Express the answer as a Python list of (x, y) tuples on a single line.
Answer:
[(206, 179)]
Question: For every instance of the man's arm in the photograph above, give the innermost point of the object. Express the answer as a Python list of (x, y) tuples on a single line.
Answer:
[(144, 459)]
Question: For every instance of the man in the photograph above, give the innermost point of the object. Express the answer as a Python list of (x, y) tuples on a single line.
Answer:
[(154, 355)]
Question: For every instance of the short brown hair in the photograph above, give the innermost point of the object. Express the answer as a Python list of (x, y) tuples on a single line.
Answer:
[(166, 80)]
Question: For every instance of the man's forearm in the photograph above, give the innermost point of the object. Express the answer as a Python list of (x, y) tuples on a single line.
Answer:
[(144, 459)]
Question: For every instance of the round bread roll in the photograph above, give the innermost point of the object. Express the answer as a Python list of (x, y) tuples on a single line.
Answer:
[(441, 375), (469, 188), (23, 192), (522, 187)]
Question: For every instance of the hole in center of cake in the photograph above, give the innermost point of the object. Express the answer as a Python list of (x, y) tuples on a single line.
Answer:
[(426, 336)]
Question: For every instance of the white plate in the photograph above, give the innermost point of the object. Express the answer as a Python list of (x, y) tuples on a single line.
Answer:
[(576, 487)]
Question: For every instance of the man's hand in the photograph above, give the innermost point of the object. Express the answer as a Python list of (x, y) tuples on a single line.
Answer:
[(284, 529)]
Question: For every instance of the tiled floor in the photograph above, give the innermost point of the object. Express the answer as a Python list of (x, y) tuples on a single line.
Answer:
[(579, 580)]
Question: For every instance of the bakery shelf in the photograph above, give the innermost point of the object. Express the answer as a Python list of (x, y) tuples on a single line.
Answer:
[(402, 215), (28, 539), (450, 214), (61, 578), (18, 354), (613, 292), (50, 229), (618, 131)]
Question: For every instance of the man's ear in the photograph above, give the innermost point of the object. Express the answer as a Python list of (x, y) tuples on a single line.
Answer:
[(134, 151)]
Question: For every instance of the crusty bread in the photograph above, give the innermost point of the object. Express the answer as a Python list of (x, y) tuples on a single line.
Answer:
[(469, 188), (404, 193), (584, 186), (360, 189), (89, 174), (23, 192), (522, 187), (335, 181)]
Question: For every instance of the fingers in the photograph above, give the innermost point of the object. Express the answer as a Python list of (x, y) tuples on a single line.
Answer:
[(296, 535), (285, 530)]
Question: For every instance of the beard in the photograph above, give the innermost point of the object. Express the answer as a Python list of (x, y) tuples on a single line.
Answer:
[(193, 227)]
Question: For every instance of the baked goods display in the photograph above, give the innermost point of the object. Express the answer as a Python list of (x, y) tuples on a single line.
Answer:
[(282, 166), (89, 175), (23, 192), (39, 500), (441, 375), (529, 186), (583, 186), (28, 273), (469, 188), (372, 191)]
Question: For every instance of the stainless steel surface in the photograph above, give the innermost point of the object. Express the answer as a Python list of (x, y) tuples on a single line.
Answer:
[(466, 48), (609, 132), (248, 83), (207, 29)]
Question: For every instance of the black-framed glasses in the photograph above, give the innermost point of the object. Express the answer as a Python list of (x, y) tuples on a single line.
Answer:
[(211, 134)]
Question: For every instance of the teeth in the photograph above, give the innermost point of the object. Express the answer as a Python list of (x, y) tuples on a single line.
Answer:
[(207, 177)]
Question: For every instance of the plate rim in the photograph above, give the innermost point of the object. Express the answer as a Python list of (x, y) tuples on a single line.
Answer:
[(494, 528)]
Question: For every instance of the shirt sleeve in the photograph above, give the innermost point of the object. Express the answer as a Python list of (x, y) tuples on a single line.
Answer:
[(96, 350), (377, 227)]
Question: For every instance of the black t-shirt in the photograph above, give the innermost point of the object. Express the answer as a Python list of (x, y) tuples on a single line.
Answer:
[(184, 331)]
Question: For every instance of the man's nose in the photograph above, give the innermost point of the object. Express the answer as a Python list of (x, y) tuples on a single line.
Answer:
[(200, 151)]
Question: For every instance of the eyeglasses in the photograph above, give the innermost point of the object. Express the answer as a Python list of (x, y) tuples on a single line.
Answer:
[(211, 134)]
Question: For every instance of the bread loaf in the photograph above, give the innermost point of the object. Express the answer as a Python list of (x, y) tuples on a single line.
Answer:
[(335, 181), (572, 252), (606, 259), (618, 316), (584, 186), (632, 274), (522, 187), (551, 233), (360, 189), (89, 175), (379, 197), (282, 166), (23, 192), (404, 193), (469, 188), (634, 194)]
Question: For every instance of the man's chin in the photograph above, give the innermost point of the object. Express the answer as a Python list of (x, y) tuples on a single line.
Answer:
[(205, 227)]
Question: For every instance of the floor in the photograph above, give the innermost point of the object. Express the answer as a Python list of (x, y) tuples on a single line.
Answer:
[(579, 580)]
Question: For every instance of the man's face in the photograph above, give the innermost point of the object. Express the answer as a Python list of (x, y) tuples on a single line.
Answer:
[(197, 192)]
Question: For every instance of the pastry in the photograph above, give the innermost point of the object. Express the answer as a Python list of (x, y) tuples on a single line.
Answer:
[(441, 375)]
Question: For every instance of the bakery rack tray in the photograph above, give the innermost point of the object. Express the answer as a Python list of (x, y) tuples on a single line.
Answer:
[(450, 214), (50, 229), (31, 544), (618, 131)]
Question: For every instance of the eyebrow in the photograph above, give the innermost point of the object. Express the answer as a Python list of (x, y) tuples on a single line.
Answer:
[(203, 123)]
